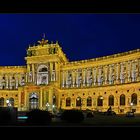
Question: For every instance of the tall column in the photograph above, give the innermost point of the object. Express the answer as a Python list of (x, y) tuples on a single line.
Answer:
[(129, 71), (133, 71), (26, 97), (28, 71), (102, 76), (16, 80), (77, 78), (10, 81), (73, 78), (91, 77), (99, 75), (7, 80), (66, 74), (136, 69), (125, 69), (106, 74), (113, 73), (55, 71), (63, 78), (33, 73), (121, 73), (87, 77), (118, 73), (51, 70), (84, 76), (26, 77), (110, 74), (41, 98), (51, 97), (70, 78), (94, 75)]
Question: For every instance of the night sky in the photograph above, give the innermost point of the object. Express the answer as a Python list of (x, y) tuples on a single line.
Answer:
[(81, 36)]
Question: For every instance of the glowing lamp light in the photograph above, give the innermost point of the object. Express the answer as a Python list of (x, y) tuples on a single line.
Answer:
[(7, 101), (53, 106), (131, 104), (101, 98), (47, 105)]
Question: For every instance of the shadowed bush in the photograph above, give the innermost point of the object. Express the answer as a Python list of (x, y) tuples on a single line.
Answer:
[(38, 117), (74, 116), (8, 116)]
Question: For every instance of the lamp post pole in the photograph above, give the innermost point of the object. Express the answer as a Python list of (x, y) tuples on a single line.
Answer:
[(47, 106)]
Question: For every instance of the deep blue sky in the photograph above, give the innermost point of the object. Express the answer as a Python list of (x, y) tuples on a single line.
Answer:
[(81, 36)]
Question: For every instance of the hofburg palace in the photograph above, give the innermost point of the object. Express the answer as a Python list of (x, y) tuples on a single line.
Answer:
[(50, 81)]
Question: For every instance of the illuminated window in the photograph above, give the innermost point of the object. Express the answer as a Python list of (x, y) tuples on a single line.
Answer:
[(78, 101), (89, 101), (111, 100), (122, 99), (33, 101), (68, 101), (100, 101), (134, 99)]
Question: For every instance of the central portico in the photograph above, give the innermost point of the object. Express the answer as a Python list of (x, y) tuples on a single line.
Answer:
[(38, 97)]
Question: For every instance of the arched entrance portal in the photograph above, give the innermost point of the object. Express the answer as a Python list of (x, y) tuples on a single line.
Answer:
[(33, 101)]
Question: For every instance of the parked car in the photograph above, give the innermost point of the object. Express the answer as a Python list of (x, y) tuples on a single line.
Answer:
[(110, 113), (130, 114)]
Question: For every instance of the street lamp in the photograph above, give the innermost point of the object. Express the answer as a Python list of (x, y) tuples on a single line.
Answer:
[(101, 103), (80, 102), (131, 105), (53, 106), (8, 103), (47, 105)]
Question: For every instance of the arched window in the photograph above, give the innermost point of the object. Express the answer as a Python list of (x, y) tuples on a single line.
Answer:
[(122, 99), (33, 101), (78, 101), (1, 102), (68, 101), (89, 101), (100, 101), (43, 69), (42, 75), (11, 101), (111, 100), (134, 99)]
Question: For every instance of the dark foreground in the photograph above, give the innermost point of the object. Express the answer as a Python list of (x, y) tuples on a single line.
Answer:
[(97, 120), (37, 117)]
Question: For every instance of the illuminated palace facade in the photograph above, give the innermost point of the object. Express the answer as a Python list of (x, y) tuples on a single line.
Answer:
[(49, 81)]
